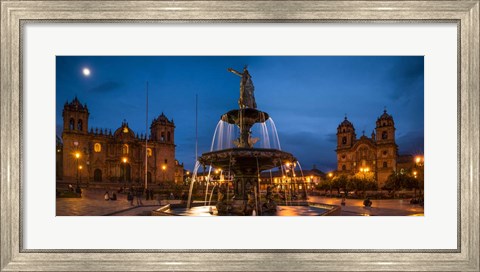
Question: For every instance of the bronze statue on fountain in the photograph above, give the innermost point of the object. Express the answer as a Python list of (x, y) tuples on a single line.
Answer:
[(245, 161)]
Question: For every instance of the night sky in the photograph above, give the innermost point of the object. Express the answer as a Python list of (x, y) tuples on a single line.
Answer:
[(307, 97)]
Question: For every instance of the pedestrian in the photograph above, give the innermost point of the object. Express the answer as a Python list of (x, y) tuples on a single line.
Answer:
[(139, 198), (151, 194), (106, 196), (147, 194), (114, 196), (130, 198), (172, 197)]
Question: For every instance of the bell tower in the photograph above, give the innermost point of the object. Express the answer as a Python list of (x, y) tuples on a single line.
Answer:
[(385, 129), (162, 130), (346, 138), (345, 134), (75, 117)]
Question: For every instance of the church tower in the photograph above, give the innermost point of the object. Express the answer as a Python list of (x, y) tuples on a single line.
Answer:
[(345, 134), (162, 132), (75, 139), (385, 129), (346, 138), (75, 117), (387, 149)]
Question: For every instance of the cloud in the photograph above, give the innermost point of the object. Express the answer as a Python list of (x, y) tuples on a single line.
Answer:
[(106, 87)]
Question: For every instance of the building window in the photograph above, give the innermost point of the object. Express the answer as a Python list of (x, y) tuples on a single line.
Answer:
[(344, 167), (97, 147), (168, 136), (384, 135), (166, 161), (385, 152), (162, 137), (125, 149), (72, 124), (80, 125), (344, 140), (385, 164), (149, 152)]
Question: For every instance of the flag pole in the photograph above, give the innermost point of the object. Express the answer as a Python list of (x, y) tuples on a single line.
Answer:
[(146, 139)]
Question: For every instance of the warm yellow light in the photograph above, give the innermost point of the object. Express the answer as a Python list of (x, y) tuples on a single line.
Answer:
[(188, 173), (418, 159), (80, 167), (414, 173), (164, 167), (216, 171), (311, 177), (367, 169), (287, 164), (124, 160), (284, 177), (77, 155), (361, 169), (330, 174)]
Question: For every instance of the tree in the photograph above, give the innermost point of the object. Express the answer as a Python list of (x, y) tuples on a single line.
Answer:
[(397, 181)]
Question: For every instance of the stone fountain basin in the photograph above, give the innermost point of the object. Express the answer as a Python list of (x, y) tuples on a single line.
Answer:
[(246, 159), (250, 116)]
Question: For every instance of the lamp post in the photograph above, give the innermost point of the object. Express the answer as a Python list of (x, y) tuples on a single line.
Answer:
[(330, 175), (77, 156), (164, 168), (124, 160)]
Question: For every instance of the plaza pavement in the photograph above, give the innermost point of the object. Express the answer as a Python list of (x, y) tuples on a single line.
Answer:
[(383, 207), (92, 203)]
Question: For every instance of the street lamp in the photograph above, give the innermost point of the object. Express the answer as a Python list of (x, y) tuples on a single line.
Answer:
[(80, 167), (124, 160), (77, 156), (164, 167)]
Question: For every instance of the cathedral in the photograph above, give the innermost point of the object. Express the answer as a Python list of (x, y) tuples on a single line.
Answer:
[(98, 155), (377, 154)]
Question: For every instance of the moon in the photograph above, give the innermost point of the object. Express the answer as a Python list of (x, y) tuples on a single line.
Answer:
[(86, 71)]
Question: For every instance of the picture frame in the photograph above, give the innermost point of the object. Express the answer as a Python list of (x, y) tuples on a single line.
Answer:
[(14, 13)]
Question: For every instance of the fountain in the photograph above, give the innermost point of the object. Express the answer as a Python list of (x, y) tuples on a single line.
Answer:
[(245, 163)]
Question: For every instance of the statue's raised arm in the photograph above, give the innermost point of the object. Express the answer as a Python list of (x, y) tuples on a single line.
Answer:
[(247, 99)]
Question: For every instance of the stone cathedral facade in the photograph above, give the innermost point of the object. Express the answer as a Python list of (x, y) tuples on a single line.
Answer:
[(377, 154), (98, 155)]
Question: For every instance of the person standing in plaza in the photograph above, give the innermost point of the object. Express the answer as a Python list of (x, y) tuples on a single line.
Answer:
[(139, 197)]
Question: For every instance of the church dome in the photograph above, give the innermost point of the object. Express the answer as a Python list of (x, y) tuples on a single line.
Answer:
[(124, 132), (345, 126), (385, 119)]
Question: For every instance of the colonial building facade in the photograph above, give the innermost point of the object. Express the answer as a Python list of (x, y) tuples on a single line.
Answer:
[(377, 154), (98, 155)]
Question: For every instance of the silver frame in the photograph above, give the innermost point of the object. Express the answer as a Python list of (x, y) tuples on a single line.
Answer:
[(15, 13)]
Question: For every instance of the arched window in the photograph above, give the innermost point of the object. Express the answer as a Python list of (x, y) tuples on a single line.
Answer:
[(344, 140), (344, 167), (385, 164), (80, 125), (125, 149), (72, 124), (97, 147), (149, 152), (384, 135), (168, 136), (162, 137)]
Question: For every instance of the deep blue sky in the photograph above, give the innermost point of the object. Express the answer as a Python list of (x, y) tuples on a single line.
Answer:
[(307, 97)]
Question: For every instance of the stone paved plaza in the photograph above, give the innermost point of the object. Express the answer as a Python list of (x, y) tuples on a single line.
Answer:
[(93, 204), (384, 207)]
